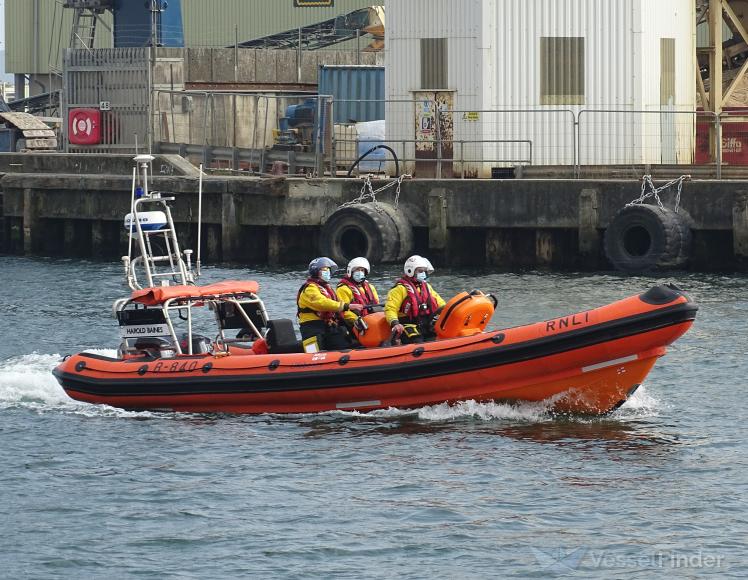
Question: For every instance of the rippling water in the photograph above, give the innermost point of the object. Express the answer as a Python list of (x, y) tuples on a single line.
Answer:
[(475, 490)]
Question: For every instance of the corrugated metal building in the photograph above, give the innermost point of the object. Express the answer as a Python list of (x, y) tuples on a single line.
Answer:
[(524, 70), (35, 30)]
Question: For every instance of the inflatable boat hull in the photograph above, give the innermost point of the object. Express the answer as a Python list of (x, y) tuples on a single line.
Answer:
[(588, 362)]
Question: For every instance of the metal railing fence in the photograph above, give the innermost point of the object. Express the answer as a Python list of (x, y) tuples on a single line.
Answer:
[(649, 137), (459, 165), (248, 122), (250, 131)]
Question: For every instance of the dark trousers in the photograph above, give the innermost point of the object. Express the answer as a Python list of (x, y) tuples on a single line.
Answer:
[(329, 337)]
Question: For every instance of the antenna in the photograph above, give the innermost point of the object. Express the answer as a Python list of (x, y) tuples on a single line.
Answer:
[(128, 259), (199, 219), (155, 20)]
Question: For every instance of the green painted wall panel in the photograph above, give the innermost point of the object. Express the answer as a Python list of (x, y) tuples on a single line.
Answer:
[(213, 22), (206, 23), (28, 50)]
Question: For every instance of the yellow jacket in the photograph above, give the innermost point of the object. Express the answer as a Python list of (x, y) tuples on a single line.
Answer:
[(313, 300), (345, 294), (393, 307)]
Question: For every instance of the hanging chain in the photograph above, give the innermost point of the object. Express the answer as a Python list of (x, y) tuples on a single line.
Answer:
[(680, 188), (649, 190), (399, 184), (368, 193)]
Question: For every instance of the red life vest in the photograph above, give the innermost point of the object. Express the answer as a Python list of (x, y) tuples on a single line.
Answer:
[(326, 290), (362, 294), (418, 294)]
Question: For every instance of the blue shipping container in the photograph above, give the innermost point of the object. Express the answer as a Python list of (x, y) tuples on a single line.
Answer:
[(358, 92)]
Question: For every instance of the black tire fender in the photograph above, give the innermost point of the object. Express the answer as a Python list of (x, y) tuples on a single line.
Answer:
[(642, 238), (376, 231)]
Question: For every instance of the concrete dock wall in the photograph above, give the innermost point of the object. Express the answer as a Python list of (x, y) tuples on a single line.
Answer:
[(550, 223)]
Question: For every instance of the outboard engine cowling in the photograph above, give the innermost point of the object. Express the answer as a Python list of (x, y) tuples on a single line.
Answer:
[(200, 344)]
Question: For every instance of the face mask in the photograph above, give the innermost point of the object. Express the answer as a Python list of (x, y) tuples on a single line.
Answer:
[(358, 276), (421, 276), (325, 275)]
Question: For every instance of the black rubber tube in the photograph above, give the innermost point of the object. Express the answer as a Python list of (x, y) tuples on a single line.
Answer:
[(394, 155)]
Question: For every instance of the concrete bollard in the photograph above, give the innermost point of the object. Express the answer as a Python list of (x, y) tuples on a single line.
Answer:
[(279, 168)]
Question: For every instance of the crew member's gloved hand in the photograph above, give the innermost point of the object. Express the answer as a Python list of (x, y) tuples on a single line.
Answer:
[(356, 308), (398, 329)]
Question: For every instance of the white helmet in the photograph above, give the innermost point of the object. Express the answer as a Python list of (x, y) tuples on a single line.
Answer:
[(358, 263), (417, 262)]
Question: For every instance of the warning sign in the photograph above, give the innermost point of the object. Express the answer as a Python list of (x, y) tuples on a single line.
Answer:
[(471, 116)]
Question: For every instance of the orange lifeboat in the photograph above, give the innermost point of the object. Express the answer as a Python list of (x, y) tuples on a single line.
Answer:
[(587, 362)]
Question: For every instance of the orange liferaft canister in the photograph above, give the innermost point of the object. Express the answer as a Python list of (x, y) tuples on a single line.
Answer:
[(465, 314), (378, 331)]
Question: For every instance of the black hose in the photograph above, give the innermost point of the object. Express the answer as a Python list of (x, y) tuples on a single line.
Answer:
[(394, 155)]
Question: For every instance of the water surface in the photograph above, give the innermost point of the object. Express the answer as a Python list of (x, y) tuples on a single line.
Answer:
[(474, 490)]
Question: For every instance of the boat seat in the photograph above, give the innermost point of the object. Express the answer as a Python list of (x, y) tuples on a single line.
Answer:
[(281, 337)]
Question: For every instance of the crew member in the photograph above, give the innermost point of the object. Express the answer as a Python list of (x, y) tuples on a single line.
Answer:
[(320, 313), (412, 304), (354, 288)]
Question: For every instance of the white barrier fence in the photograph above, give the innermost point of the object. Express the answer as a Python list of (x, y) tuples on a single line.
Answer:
[(255, 132)]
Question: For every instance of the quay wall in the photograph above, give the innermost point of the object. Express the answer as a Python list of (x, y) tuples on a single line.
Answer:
[(73, 205)]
